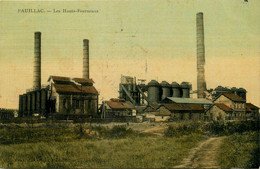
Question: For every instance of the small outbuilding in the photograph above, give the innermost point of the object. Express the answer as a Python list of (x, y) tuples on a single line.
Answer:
[(115, 108), (183, 111)]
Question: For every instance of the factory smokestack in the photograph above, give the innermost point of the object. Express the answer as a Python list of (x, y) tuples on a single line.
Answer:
[(201, 83), (37, 61), (86, 58)]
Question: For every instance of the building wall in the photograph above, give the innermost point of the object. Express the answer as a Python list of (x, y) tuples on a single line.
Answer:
[(188, 115), (197, 116), (162, 118), (253, 115), (239, 108), (217, 114), (76, 104), (225, 100)]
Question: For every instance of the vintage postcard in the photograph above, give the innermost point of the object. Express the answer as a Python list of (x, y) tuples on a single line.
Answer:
[(129, 84)]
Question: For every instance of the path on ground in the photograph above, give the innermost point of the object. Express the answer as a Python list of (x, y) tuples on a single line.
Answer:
[(204, 155), (159, 130)]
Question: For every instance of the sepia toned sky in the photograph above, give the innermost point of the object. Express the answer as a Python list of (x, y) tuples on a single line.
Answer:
[(124, 35)]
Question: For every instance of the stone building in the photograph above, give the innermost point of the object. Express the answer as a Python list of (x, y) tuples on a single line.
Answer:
[(194, 112), (235, 102), (219, 112), (252, 112), (155, 112), (162, 116), (117, 108), (73, 95)]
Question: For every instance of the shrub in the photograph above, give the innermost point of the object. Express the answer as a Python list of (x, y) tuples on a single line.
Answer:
[(240, 150), (184, 129), (121, 132)]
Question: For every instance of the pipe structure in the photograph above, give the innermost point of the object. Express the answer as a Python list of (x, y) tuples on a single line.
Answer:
[(201, 83), (86, 58), (37, 61)]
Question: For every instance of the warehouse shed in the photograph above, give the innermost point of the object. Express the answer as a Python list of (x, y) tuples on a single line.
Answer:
[(182, 111), (117, 108), (200, 101)]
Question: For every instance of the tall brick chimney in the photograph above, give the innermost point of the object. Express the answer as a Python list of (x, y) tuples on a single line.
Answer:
[(37, 61), (201, 83), (86, 58)]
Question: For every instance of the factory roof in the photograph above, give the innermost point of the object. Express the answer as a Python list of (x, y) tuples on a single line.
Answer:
[(83, 80), (119, 104), (151, 107), (187, 100), (59, 78), (184, 107), (232, 97), (223, 107), (250, 107), (68, 80), (61, 88)]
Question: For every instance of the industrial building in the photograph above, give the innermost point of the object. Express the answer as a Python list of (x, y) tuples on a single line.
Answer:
[(63, 95), (153, 100), (234, 107), (153, 92), (117, 108), (73, 95)]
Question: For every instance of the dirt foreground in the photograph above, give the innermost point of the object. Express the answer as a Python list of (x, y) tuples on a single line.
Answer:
[(204, 155)]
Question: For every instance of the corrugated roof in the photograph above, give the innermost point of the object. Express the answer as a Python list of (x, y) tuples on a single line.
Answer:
[(184, 107), (61, 88), (119, 104), (223, 106), (188, 100), (233, 97)]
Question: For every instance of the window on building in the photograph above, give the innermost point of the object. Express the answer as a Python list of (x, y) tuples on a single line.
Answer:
[(181, 116), (64, 103), (77, 104), (90, 106)]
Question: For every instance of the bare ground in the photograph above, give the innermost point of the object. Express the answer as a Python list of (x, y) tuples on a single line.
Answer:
[(204, 155)]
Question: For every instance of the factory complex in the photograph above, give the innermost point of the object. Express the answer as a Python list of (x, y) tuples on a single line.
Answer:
[(138, 101)]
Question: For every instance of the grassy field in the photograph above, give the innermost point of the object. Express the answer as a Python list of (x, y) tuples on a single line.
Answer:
[(123, 145), (130, 152), (240, 151)]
